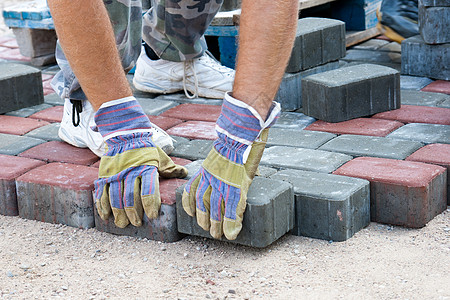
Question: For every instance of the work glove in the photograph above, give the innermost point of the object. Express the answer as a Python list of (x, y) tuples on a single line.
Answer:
[(217, 193), (128, 181)]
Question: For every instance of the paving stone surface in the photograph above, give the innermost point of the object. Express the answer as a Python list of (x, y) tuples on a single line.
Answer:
[(293, 120), (303, 159), (18, 125), (164, 122), (14, 144), (12, 167), (438, 86), (52, 114), (13, 54), (48, 132), (423, 98), (28, 111), (268, 216), (377, 57), (327, 206), (194, 112), (402, 193), (372, 44), (58, 193), (444, 104), (195, 130), (359, 126), (181, 98), (193, 150), (414, 82), (53, 99), (296, 138), (424, 133), (417, 114), (360, 145), (434, 24), (351, 92), (155, 106), (181, 161), (436, 2)]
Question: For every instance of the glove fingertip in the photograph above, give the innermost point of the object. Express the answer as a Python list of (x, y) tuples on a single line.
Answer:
[(187, 204), (232, 228)]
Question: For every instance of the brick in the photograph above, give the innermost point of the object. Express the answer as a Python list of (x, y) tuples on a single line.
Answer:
[(351, 92), (96, 164), (181, 161), (359, 126), (194, 112), (12, 167), (402, 193), (195, 130), (434, 23), (327, 36), (436, 154), (155, 106), (424, 133), (53, 99), (21, 87), (421, 98), (181, 98), (193, 150), (436, 2), (360, 145), (13, 54), (438, 86), (421, 59), (18, 125), (164, 122), (58, 193), (328, 207), (56, 151), (303, 159), (290, 92), (376, 57), (268, 216), (414, 82), (295, 138), (293, 120), (417, 114), (28, 111), (35, 42), (52, 114), (163, 228), (46, 133), (14, 144)]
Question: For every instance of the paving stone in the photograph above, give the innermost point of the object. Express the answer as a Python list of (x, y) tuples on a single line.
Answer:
[(423, 98), (377, 57), (372, 44), (195, 130), (413, 82), (28, 111), (8, 41), (53, 99), (392, 47), (18, 125), (56, 151), (293, 120), (268, 216), (155, 106), (359, 126), (361, 145), (434, 24), (194, 112), (46, 133), (181, 161), (193, 167), (417, 114), (444, 104), (421, 59), (14, 144), (402, 193), (163, 228), (181, 98), (178, 140), (52, 114), (12, 167), (21, 87), (424, 133), (96, 164), (164, 122), (327, 36), (13, 54), (296, 138), (193, 150), (436, 2), (35, 42), (436, 154), (438, 86), (351, 92), (303, 159), (328, 207), (58, 193), (48, 92)]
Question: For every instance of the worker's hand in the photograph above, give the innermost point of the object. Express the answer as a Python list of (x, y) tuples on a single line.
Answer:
[(128, 181), (217, 193)]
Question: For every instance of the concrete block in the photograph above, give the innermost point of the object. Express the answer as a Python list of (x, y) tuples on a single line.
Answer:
[(18, 125), (193, 150), (164, 122), (359, 126), (402, 193), (14, 144), (46, 133), (438, 86), (12, 167), (328, 207), (52, 114), (300, 139), (163, 228), (58, 193), (375, 57), (28, 111), (422, 98), (268, 216), (194, 112), (434, 24), (195, 130), (303, 159), (392, 47), (293, 120), (54, 100), (193, 168), (435, 2), (21, 87), (155, 106), (424, 133), (351, 92), (417, 114), (361, 145), (372, 44), (414, 82), (421, 59), (35, 42), (43, 60), (326, 36)]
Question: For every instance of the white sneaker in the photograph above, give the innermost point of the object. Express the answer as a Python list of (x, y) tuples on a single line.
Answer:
[(83, 136), (204, 76)]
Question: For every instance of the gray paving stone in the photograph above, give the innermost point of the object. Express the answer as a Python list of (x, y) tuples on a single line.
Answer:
[(370, 56), (178, 140), (327, 206), (43, 60), (53, 99), (434, 24), (193, 167), (15, 144), (414, 82), (410, 97), (20, 86), (361, 145), (372, 44), (293, 120), (326, 36), (35, 42), (265, 171), (193, 150), (181, 98), (46, 133), (298, 138), (392, 47), (351, 92), (421, 59), (155, 106), (303, 159), (28, 111), (436, 2), (444, 104), (52, 70), (424, 133), (268, 216)]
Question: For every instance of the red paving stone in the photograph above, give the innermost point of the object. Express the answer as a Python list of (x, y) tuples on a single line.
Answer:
[(12, 54), (48, 92), (194, 112), (417, 114), (168, 188), (8, 42), (46, 83), (438, 86), (164, 122), (360, 126), (51, 114), (195, 130), (180, 161), (18, 125), (57, 151), (96, 164)]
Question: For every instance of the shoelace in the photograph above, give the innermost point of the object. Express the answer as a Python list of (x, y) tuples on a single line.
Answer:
[(190, 64), (77, 108)]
